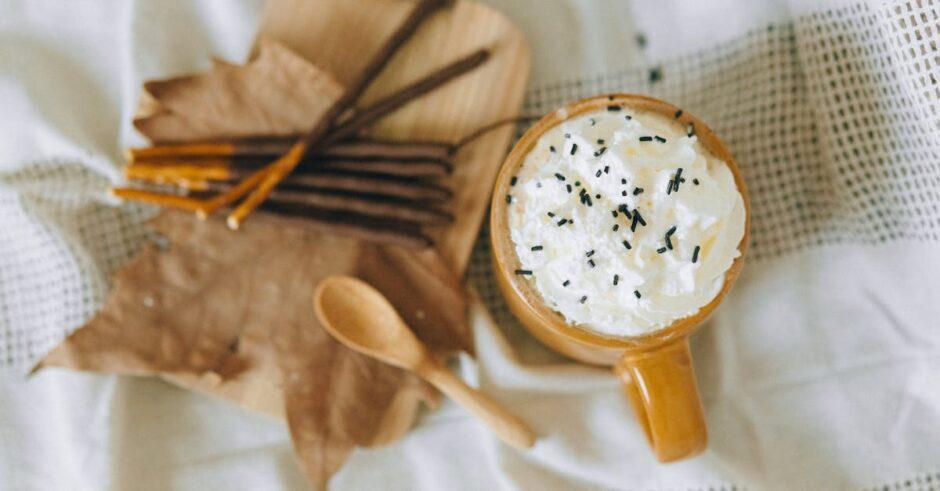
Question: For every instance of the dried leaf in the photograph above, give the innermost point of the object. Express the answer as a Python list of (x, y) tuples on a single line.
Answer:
[(240, 308), (276, 93)]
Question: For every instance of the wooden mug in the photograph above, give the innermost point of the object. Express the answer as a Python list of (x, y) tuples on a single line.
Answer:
[(656, 368)]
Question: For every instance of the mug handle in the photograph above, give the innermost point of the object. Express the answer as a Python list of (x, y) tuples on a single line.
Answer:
[(660, 384)]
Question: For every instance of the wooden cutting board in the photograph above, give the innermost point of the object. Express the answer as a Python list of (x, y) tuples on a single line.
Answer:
[(230, 314), (338, 35)]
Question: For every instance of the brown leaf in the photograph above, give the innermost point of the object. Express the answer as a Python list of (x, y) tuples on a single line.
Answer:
[(276, 93), (239, 306)]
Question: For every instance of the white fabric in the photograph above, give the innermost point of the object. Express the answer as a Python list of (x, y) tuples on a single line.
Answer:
[(821, 370)]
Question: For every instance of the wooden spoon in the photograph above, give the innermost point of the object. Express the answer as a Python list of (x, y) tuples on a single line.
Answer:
[(360, 317)]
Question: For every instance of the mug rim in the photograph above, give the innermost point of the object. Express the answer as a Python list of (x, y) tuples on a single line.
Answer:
[(506, 260)]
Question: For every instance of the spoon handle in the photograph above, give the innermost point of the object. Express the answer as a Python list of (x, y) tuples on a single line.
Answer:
[(507, 426)]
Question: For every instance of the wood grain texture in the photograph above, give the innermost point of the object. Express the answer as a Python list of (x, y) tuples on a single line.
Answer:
[(338, 35)]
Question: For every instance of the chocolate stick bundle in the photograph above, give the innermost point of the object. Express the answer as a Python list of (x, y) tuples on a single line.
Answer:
[(338, 179)]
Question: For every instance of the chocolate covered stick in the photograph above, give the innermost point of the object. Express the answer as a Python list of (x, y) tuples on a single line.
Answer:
[(312, 140), (400, 232), (400, 169), (360, 149), (393, 187), (370, 213), (388, 150), (170, 172), (376, 207)]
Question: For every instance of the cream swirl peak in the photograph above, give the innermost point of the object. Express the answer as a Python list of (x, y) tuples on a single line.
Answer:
[(623, 222)]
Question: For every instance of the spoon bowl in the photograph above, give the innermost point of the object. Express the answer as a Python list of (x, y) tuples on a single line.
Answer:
[(360, 317)]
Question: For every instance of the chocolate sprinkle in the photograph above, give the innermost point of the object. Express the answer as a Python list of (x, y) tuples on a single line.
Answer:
[(695, 254), (551, 148), (536, 248), (567, 135), (626, 211), (600, 141), (562, 222), (636, 214), (606, 169), (559, 177), (551, 215), (574, 148), (598, 174), (600, 152), (637, 293), (695, 181), (512, 182), (637, 191), (568, 187), (623, 180), (566, 283), (646, 138), (597, 196), (660, 139), (623, 193), (661, 250), (614, 108), (669, 187), (577, 183), (616, 279), (614, 213), (508, 198), (678, 113), (616, 227), (523, 271), (627, 245), (589, 253), (591, 262), (584, 299)]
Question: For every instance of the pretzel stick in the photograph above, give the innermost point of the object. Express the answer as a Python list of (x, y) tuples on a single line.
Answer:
[(171, 173), (381, 207), (272, 147), (220, 169), (399, 98), (273, 174), (161, 199), (388, 186), (401, 232)]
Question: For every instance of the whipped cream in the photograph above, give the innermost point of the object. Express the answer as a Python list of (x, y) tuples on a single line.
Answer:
[(605, 235)]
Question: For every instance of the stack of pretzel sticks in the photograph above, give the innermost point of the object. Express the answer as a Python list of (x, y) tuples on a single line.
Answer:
[(372, 189)]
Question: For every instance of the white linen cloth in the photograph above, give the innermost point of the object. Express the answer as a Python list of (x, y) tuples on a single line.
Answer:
[(820, 371)]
